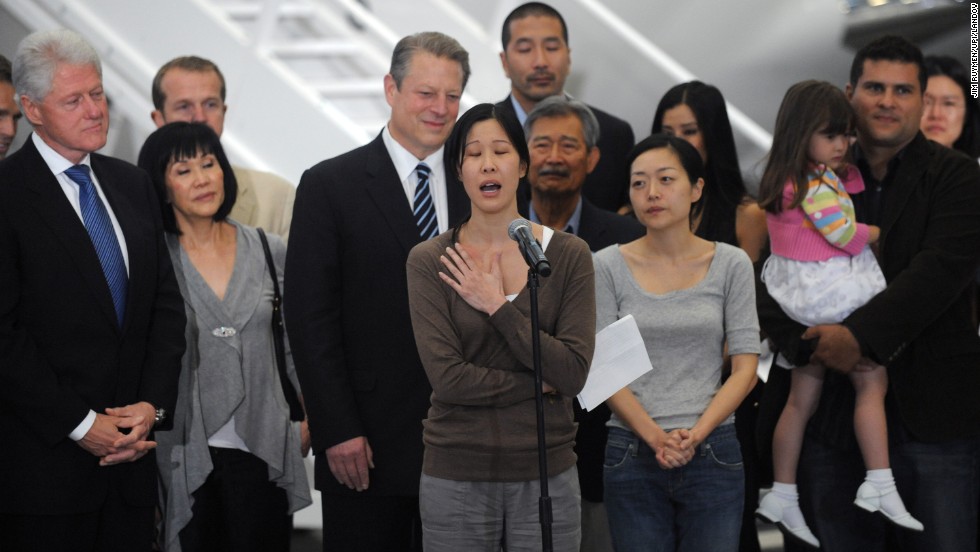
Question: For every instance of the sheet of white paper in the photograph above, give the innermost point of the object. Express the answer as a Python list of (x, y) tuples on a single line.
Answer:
[(620, 357)]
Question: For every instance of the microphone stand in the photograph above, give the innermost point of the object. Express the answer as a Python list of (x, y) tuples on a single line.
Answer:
[(544, 503)]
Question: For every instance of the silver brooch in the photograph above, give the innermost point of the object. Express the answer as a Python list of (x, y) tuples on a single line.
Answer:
[(223, 331)]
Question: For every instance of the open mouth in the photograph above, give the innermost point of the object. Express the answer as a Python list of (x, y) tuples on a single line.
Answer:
[(490, 187)]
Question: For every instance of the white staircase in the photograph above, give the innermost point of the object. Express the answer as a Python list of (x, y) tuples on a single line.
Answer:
[(304, 77)]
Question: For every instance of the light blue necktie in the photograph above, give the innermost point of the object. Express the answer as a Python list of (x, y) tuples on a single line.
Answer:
[(425, 211), (103, 236)]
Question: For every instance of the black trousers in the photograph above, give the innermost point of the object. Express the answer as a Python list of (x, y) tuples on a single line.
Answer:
[(362, 523), (238, 508), (116, 527)]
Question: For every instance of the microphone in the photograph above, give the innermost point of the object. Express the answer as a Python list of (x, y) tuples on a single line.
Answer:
[(520, 231)]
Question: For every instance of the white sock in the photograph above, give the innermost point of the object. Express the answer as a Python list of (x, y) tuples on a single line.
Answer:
[(884, 482), (789, 499)]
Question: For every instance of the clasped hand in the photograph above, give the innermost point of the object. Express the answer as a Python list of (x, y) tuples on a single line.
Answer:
[(676, 448), (106, 440), (482, 289)]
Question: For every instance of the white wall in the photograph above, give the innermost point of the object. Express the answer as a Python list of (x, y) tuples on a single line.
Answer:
[(753, 50)]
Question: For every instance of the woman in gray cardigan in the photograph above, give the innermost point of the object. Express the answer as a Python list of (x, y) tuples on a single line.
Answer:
[(231, 468), (673, 469)]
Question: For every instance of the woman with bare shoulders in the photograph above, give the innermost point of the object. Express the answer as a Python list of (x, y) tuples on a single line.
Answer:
[(695, 112)]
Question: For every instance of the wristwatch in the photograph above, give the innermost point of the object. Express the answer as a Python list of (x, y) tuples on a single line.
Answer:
[(160, 417)]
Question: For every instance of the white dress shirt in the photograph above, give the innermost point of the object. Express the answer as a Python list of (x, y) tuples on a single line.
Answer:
[(405, 163), (58, 165)]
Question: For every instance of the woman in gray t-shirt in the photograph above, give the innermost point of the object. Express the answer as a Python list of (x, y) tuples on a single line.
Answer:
[(673, 469)]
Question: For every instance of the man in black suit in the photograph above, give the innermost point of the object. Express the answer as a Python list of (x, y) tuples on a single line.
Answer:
[(346, 296), (536, 59), (926, 199), (91, 319), (9, 113), (562, 137)]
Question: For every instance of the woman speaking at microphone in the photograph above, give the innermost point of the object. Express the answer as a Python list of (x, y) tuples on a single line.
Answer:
[(471, 315)]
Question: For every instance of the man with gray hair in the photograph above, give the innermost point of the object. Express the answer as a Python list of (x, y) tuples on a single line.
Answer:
[(356, 218), (91, 319), (9, 113), (563, 136)]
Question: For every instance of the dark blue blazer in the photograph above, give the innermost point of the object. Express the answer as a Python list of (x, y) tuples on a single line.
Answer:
[(62, 351), (346, 306)]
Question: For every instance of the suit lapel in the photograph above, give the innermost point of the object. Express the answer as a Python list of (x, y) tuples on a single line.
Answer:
[(507, 107), (589, 228), (385, 189), (904, 186), (55, 210)]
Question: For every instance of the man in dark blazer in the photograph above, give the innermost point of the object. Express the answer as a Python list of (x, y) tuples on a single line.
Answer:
[(562, 139), (926, 199), (90, 341), (537, 59), (347, 300), (9, 112)]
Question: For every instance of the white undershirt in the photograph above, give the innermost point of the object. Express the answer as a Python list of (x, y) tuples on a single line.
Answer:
[(546, 235), (405, 163)]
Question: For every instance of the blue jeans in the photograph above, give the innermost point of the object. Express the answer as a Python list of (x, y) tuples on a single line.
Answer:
[(939, 483), (692, 508)]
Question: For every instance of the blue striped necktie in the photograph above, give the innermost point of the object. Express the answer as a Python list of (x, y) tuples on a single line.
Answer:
[(425, 211), (103, 236)]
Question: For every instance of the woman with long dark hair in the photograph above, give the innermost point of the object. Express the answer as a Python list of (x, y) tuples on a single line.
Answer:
[(696, 113)]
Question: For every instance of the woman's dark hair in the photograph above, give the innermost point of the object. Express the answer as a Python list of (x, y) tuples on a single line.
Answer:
[(808, 107), (181, 140), (456, 144), (969, 140), (724, 189), (690, 161)]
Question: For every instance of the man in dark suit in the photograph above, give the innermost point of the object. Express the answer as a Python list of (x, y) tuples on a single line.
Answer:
[(536, 59), (9, 113), (356, 218), (562, 137), (91, 319), (926, 199)]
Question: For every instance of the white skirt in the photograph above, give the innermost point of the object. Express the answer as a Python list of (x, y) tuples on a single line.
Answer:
[(823, 292)]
